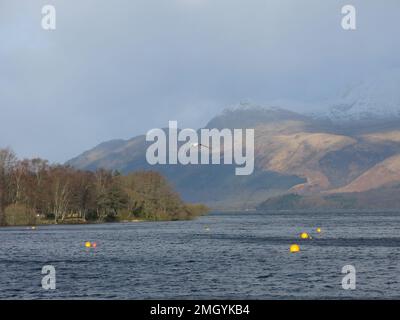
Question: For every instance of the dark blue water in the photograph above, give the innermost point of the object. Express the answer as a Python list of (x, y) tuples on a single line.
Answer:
[(244, 256)]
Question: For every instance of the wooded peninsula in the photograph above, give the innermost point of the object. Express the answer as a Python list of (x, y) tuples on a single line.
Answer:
[(32, 191)]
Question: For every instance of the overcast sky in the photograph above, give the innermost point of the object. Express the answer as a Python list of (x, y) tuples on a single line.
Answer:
[(117, 68)]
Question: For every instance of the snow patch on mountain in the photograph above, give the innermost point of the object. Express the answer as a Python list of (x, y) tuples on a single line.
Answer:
[(373, 99)]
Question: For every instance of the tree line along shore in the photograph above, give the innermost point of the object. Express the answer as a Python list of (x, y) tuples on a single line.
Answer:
[(32, 191)]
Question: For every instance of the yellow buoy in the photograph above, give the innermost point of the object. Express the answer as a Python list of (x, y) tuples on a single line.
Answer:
[(33, 228), (294, 248), (88, 244), (304, 235), (319, 230)]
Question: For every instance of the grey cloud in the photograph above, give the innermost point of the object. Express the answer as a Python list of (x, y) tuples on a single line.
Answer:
[(115, 69)]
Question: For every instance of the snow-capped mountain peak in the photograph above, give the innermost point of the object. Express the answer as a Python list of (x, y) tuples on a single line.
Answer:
[(374, 99)]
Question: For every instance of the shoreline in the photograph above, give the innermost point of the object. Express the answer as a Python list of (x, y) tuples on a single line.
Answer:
[(32, 226), (68, 224)]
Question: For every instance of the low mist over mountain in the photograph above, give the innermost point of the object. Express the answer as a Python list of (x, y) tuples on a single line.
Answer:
[(376, 99), (295, 154)]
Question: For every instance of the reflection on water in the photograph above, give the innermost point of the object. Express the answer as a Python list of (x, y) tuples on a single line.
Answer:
[(223, 255)]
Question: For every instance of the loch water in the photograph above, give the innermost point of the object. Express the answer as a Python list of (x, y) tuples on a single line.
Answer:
[(242, 255)]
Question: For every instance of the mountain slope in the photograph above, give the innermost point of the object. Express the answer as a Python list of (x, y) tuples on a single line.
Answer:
[(376, 199), (293, 154), (215, 185), (299, 154), (384, 173)]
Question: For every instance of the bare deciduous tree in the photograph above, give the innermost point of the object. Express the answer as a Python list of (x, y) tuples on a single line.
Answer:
[(7, 163)]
